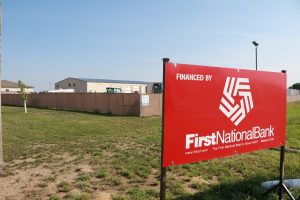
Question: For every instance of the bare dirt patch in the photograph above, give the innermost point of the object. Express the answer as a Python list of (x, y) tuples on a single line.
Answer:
[(22, 182), (66, 157), (28, 181), (153, 179), (212, 181), (61, 178), (21, 161), (83, 168), (99, 195)]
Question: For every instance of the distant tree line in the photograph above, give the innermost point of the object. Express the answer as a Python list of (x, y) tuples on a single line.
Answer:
[(295, 86)]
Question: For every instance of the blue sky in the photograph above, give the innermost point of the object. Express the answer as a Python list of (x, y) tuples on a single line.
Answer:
[(49, 40)]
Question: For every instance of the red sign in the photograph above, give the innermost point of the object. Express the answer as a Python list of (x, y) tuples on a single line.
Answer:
[(212, 112)]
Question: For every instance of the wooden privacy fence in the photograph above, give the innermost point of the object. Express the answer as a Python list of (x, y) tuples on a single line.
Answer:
[(117, 104)]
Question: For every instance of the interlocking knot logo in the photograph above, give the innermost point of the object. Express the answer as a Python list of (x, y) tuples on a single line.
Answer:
[(234, 110)]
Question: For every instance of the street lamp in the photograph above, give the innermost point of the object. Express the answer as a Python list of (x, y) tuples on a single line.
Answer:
[(255, 44)]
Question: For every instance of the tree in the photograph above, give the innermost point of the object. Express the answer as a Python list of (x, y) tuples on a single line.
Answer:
[(23, 94), (296, 86), (1, 149)]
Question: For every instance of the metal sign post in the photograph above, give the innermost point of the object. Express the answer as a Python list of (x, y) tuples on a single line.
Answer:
[(281, 186), (163, 172)]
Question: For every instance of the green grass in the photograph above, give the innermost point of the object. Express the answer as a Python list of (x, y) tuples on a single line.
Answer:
[(124, 156), (63, 187)]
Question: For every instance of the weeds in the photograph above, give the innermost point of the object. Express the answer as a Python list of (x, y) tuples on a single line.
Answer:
[(122, 155)]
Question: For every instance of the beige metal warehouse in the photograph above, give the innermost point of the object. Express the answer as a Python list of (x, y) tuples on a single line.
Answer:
[(87, 85)]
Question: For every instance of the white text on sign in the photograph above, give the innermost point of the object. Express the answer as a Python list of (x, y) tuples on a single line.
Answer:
[(193, 77)]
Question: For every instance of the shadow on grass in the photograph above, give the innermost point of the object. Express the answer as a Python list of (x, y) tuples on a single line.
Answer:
[(108, 114), (249, 189), (92, 113)]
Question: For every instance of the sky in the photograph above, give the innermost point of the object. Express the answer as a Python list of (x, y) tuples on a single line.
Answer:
[(46, 41)]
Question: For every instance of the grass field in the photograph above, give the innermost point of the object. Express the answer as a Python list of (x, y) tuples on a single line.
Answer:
[(54, 155)]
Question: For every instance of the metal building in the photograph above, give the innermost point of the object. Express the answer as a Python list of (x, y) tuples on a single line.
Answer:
[(86, 85)]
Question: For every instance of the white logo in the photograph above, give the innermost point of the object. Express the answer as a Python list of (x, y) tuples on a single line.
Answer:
[(236, 111)]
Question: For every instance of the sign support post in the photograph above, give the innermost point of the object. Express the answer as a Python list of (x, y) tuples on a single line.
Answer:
[(280, 191), (281, 186), (163, 172)]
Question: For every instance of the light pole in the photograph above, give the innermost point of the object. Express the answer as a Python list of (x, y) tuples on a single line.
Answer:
[(256, 45)]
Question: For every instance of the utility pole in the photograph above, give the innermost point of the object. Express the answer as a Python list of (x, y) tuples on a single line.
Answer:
[(1, 135), (256, 45)]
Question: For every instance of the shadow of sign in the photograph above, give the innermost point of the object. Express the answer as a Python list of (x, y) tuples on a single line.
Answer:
[(247, 189)]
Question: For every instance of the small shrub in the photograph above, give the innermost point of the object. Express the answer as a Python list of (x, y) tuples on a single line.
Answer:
[(42, 185), (125, 173), (83, 177), (54, 198), (102, 173), (115, 181), (49, 179), (64, 187), (84, 186), (81, 196)]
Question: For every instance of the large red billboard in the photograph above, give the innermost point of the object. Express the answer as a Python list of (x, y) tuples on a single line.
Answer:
[(212, 112)]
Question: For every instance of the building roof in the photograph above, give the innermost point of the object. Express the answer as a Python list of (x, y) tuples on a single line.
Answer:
[(110, 81), (11, 84)]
